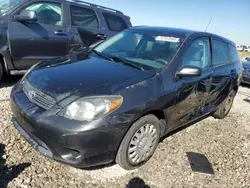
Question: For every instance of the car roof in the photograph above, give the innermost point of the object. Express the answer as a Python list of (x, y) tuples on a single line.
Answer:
[(180, 31), (220, 38), (164, 30)]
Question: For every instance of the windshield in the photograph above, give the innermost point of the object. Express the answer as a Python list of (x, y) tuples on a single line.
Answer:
[(6, 5), (150, 50)]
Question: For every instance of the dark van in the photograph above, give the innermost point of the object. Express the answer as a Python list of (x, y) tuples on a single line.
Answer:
[(116, 101), (32, 31)]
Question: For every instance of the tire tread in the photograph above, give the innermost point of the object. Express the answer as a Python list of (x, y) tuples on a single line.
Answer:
[(1, 71), (219, 114)]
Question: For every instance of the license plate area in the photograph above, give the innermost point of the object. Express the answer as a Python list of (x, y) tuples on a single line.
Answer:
[(39, 146)]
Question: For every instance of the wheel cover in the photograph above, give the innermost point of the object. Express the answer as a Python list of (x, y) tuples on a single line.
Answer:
[(142, 144)]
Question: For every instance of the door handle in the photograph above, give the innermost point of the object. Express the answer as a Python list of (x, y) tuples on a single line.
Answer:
[(101, 36), (60, 32)]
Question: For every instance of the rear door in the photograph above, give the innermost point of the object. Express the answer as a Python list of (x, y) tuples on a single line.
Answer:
[(32, 42), (192, 92), (222, 72)]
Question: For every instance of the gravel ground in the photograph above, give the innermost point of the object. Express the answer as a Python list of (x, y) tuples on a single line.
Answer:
[(224, 143)]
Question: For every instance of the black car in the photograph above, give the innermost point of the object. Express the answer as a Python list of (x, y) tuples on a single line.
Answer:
[(246, 72), (114, 102), (34, 30)]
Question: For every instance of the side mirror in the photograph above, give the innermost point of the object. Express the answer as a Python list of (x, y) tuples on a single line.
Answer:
[(26, 15), (188, 72), (89, 38)]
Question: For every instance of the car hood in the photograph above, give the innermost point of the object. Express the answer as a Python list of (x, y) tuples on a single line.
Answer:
[(246, 64), (64, 77)]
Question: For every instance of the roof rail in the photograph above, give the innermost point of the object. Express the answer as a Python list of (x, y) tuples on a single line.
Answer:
[(96, 6)]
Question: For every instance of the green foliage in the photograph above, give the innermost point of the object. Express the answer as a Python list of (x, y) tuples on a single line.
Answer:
[(243, 54)]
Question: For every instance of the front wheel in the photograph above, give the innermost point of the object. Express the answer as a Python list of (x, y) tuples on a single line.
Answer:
[(139, 143), (225, 106)]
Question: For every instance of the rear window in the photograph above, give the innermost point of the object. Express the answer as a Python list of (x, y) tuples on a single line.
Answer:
[(234, 56), (83, 17), (115, 23), (220, 53)]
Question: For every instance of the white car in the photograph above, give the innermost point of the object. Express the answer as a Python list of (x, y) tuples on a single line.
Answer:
[(242, 48)]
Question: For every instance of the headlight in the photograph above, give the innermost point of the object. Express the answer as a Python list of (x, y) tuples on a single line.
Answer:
[(89, 108)]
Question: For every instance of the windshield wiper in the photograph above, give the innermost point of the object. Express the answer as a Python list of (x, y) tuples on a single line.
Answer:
[(126, 62), (117, 59), (102, 55)]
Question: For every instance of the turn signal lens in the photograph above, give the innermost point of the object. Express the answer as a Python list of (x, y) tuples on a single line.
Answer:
[(115, 104)]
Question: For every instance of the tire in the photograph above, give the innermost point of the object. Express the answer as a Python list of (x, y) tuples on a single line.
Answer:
[(148, 127), (1, 71), (225, 106)]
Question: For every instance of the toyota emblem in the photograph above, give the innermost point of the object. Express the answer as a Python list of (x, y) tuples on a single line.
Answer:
[(32, 94)]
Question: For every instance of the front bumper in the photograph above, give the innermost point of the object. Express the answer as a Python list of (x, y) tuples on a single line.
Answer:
[(246, 77), (37, 144), (80, 144)]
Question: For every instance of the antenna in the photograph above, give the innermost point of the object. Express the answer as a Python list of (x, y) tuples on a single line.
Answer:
[(208, 23)]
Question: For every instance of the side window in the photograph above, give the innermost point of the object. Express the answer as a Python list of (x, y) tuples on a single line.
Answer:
[(47, 13), (234, 56), (220, 53), (198, 54), (115, 23), (83, 17)]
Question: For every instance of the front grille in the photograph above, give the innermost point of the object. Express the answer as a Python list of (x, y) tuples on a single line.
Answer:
[(38, 97)]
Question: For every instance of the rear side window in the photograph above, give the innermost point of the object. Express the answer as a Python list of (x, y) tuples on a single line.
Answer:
[(220, 53), (83, 17), (115, 23), (234, 56)]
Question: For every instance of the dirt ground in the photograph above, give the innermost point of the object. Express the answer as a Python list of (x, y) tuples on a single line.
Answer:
[(210, 153)]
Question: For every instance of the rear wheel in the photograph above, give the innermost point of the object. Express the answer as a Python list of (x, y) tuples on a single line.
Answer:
[(139, 143), (1, 71), (225, 106)]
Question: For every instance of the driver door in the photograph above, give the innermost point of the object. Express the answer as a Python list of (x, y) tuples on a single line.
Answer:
[(32, 42), (192, 92)]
